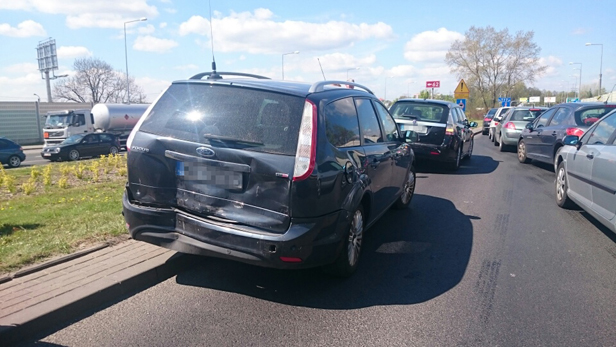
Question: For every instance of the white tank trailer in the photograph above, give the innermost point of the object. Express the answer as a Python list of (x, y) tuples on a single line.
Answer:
[(117, 119)]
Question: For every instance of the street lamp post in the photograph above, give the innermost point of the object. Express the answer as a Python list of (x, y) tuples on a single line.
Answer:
[(353, 68), (580, 84), (38, 98), (126, 56), (294, 52), (600, 66)]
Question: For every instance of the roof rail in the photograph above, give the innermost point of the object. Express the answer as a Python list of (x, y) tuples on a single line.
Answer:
[(320, 86), (218, 75)]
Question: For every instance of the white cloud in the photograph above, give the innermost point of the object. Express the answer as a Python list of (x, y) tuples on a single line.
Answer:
[(146, 30), (552, 63), (152, 87), (171, 10), (162, 25), (87, 14), (153, 44), (68, 52), (21, 69), (186, 67), (24, 29), (430, 45), (258, 32)]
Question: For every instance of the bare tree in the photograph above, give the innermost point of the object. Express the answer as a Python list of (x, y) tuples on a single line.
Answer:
[(96, 82), (493, 62)]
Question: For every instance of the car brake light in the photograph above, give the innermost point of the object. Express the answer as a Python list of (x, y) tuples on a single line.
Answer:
[(575, 131), (510, 126), (449, 129), (487, 119), (495, 123), (307, 143), (291, 259)]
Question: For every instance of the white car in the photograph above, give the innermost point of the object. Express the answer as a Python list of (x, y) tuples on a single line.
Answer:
[(498, 116)]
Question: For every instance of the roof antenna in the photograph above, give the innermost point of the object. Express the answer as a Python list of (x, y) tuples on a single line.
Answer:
[(321, 69), (610, 94), (214, 75)]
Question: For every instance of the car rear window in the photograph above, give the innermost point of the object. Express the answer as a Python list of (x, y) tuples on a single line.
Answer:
[(420, 111), (228, 116), (588, 116), (525, 115)]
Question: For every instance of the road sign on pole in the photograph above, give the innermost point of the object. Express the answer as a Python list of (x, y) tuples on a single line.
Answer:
[(433, 84), (505, 101), (461, 103), (461, 91)]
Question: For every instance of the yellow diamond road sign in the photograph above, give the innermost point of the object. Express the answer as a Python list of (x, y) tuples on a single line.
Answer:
[(461, 91)]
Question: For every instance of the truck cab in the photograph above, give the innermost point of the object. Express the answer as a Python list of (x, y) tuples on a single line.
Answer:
[(61, 124)]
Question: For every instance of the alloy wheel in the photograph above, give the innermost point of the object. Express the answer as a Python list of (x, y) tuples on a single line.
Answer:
[(355, 237), (560, 184), (409, 188)]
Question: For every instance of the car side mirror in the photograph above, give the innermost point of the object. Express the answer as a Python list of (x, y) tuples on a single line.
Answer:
[(572, 140), (410, 136), (529, 126), (473, 124)]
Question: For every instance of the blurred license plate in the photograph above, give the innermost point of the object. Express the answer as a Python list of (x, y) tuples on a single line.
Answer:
[(416, 128), (46, 154), (201, 173)]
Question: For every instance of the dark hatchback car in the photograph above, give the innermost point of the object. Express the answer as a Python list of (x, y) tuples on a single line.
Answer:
[(445, 134), (542, 138), (486, 121), (82, 145), (272, 173), (11, 153)]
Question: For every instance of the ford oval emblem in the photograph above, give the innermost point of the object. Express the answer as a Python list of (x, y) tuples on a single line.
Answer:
[(205, 152)]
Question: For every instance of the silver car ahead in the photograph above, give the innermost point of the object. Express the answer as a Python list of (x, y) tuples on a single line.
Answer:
[(507, 131), (586, 171)]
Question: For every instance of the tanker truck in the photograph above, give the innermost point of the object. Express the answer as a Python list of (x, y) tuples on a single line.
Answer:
[(117, 119)]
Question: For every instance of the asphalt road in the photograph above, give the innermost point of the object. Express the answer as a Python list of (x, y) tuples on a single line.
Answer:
[(33, 157), (483, 258)]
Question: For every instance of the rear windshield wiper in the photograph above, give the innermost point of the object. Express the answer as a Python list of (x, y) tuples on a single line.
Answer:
[(231, 139)]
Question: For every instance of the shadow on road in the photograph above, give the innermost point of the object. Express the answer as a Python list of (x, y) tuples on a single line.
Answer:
[(409, 257), (478, 164)]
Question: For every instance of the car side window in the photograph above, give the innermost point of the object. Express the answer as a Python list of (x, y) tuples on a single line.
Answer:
[(80, 119), (368, 122), (602, 132), (105, 138), (454, 115), (341, 124), (560, 117), (389, 125), (543, 120), (91, 139)]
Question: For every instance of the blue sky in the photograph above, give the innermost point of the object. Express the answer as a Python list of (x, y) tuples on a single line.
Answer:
[(397, 45)]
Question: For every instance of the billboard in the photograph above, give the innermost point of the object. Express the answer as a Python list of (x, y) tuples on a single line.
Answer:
[(46, 55), (433, 84), (534, 99), (551, 99)]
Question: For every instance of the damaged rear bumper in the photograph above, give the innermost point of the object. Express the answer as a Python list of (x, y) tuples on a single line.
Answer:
[(307, 242)]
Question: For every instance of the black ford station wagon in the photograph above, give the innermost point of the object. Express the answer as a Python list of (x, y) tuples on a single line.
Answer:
[(272, 173)]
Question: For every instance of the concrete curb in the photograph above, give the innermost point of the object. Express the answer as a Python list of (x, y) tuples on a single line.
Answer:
[(27, 324)]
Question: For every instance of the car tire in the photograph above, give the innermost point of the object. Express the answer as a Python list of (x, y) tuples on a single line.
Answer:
[(495, 141), (73, 155), (561, 186), (113, 150), (501, 145), (408, 190), (470, 150), (490, 135), (14, 161), (456, 164), (348, 259), (484, 132), (522, 158)]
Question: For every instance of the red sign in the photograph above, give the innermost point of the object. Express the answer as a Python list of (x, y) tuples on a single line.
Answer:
[(433, 84)]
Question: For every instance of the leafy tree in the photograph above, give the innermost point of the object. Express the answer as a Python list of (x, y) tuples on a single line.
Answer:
[(424, 94), (96, 81), (493, 62)]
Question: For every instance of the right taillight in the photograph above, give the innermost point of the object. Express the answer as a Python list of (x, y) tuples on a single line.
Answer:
[(487, 120), (306, 143), (449, 129), (510, 126)]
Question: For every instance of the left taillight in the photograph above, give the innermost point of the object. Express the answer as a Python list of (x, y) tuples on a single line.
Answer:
[(449, 129), (510, 126), (575, 131), (306, 143)]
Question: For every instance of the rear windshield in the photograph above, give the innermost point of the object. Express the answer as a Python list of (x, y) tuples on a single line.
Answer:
[(589, 116), (224, 116), (420, 111), (525, 115), (491, 113)]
